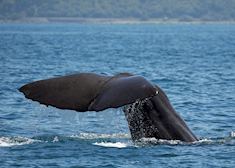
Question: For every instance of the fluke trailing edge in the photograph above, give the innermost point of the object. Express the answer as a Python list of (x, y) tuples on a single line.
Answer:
[(146, 107)]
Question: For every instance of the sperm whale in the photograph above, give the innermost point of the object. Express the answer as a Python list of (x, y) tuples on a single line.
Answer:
[(147, 109)]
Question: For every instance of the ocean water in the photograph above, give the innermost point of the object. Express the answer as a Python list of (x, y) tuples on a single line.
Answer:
[(193, 63)]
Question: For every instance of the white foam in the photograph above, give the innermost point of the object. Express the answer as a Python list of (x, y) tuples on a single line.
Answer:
[(100, 136), (56, 139), (203, 141), (144, 141), (232, 134), (14, 141), (111, 144)]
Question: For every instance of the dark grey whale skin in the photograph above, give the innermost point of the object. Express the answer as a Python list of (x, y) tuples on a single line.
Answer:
[(155, 117), (146, 107)]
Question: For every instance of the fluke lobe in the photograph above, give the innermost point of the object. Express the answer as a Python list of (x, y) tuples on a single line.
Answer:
[(146, 107)]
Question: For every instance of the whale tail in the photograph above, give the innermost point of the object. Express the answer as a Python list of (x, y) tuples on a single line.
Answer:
[(148, 111), (89, 92)]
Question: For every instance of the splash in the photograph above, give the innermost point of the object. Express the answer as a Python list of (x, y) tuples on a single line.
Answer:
[(101, 136), (56, 139), (203, 141), (154, 141), (16, 141), (122, 140), (232, 134), (112, 144)]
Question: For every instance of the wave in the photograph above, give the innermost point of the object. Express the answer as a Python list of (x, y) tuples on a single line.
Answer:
[(117, 140)]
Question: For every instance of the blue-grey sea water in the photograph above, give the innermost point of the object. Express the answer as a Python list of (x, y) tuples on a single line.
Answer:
[(193, 63)]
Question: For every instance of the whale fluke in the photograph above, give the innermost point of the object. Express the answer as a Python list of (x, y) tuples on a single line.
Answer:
[(148, 110), (89, 92)]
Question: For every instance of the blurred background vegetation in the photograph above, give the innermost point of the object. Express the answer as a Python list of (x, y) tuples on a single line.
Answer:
[(182, 10)]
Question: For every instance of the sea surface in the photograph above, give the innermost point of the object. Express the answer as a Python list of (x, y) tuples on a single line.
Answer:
[(193, 63)]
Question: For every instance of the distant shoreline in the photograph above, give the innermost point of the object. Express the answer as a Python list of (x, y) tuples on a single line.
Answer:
[(111, 20)]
